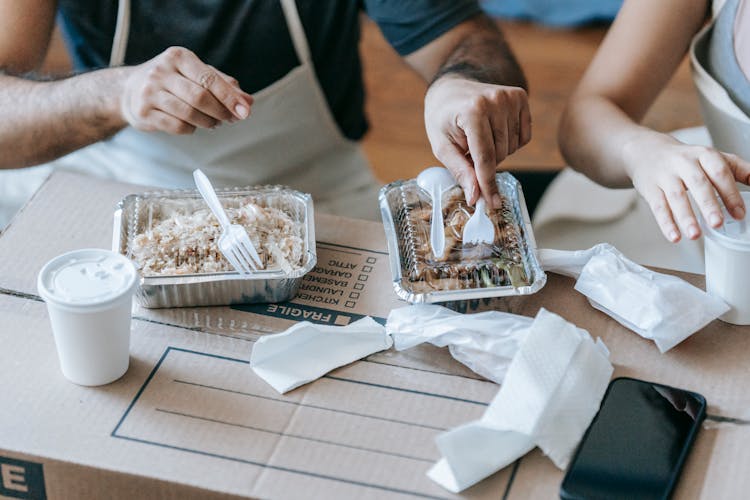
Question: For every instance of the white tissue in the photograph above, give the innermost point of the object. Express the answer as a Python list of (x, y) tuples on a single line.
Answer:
[(485, 342), (306, 352), (551, 392), (568, 262), (656, 306)]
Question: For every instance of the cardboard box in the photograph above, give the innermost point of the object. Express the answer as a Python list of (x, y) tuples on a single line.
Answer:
[(190, 419)]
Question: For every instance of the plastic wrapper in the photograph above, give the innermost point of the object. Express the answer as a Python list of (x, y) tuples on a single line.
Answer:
[(485, 342), (180, 269), (509, 266), (660, 307)]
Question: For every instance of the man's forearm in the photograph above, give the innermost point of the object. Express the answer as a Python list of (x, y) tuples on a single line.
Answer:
[(482, 54), (42, 121)]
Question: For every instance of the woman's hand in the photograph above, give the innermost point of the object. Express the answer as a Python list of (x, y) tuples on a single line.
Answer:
[(664, 170), (175, 92)]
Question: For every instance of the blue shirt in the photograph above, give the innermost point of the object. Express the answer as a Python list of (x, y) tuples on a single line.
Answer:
[(249, 39)]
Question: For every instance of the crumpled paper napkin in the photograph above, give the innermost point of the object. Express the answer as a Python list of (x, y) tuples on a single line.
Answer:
[(550, 395), (306, 351), (485, 342), (660, 307)]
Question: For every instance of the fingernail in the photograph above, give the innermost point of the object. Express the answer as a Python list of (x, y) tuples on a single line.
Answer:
[(497, 202), (714, 219), (241, 111), (673, 236), (738, 212), (693, 231)]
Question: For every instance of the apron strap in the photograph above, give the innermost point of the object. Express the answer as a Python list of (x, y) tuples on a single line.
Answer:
[(122, 30), (716, 6), (297, 31), (291, 14)]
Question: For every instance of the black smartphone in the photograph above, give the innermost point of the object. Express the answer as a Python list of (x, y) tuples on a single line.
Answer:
[(636, 445)]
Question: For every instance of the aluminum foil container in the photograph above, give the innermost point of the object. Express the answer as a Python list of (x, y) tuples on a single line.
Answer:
[(134, 215), (507, 267)]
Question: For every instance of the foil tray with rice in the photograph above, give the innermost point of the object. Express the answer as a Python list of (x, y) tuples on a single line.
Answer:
[(171, 237)]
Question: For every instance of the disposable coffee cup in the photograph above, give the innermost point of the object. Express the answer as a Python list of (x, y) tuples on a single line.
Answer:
[(727, 251), (89, 295)]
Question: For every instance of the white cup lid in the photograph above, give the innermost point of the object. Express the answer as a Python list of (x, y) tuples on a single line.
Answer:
[(733, 233), (88, 277)]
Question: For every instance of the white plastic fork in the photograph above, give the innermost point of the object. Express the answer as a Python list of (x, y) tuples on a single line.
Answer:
[(479, 228), (234, 242)]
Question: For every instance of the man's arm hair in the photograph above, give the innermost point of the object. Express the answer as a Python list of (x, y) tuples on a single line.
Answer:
[(475, 49), (484, 56), (44, 120)]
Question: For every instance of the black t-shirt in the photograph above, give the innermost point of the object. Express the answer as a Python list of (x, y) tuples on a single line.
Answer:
[(249, 39)]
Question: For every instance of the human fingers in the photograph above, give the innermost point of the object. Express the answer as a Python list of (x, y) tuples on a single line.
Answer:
[(188, 64), (657, 202), (198, 97), (454, 160), (501, 136), (511, 115), (741, 172), (699, 185), (721, 176), (514, 132), (229, 79), (159, 120), (525, 121), (481, 141), (173, 105), (676, 194)]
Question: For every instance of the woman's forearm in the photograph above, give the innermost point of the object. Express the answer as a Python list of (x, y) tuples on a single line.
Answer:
[(601, 141)]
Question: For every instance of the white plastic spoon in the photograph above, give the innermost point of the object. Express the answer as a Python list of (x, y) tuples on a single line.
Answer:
[(436, 181)]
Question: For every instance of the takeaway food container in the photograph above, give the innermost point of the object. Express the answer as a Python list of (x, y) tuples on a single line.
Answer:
[(507, 267), (136, 213)]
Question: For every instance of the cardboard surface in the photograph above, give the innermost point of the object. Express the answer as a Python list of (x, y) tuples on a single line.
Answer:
[(190, 419), (190, 410)]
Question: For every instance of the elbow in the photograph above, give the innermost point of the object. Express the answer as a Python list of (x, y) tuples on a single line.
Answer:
[(14, 65), (566, 132), (20, 60)]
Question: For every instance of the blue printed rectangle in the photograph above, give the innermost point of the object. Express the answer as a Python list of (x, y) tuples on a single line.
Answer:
[(302, 312), (21, 479)]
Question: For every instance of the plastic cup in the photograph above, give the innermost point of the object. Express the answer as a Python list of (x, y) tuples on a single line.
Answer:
[(727, 251), (89, 295)]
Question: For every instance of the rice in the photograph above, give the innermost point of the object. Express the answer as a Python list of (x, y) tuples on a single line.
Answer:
[(187, 242)]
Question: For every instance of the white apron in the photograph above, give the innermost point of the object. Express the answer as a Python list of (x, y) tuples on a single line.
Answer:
[(290, 138), (577, 213)]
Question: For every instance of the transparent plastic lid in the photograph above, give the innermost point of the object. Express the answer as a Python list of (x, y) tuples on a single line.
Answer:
[(508, 266), (733, 233), (86, 277)]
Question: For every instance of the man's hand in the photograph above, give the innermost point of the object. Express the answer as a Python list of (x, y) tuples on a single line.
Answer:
[(663, 170), (476, 108), (472, 127), (176, 92)]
